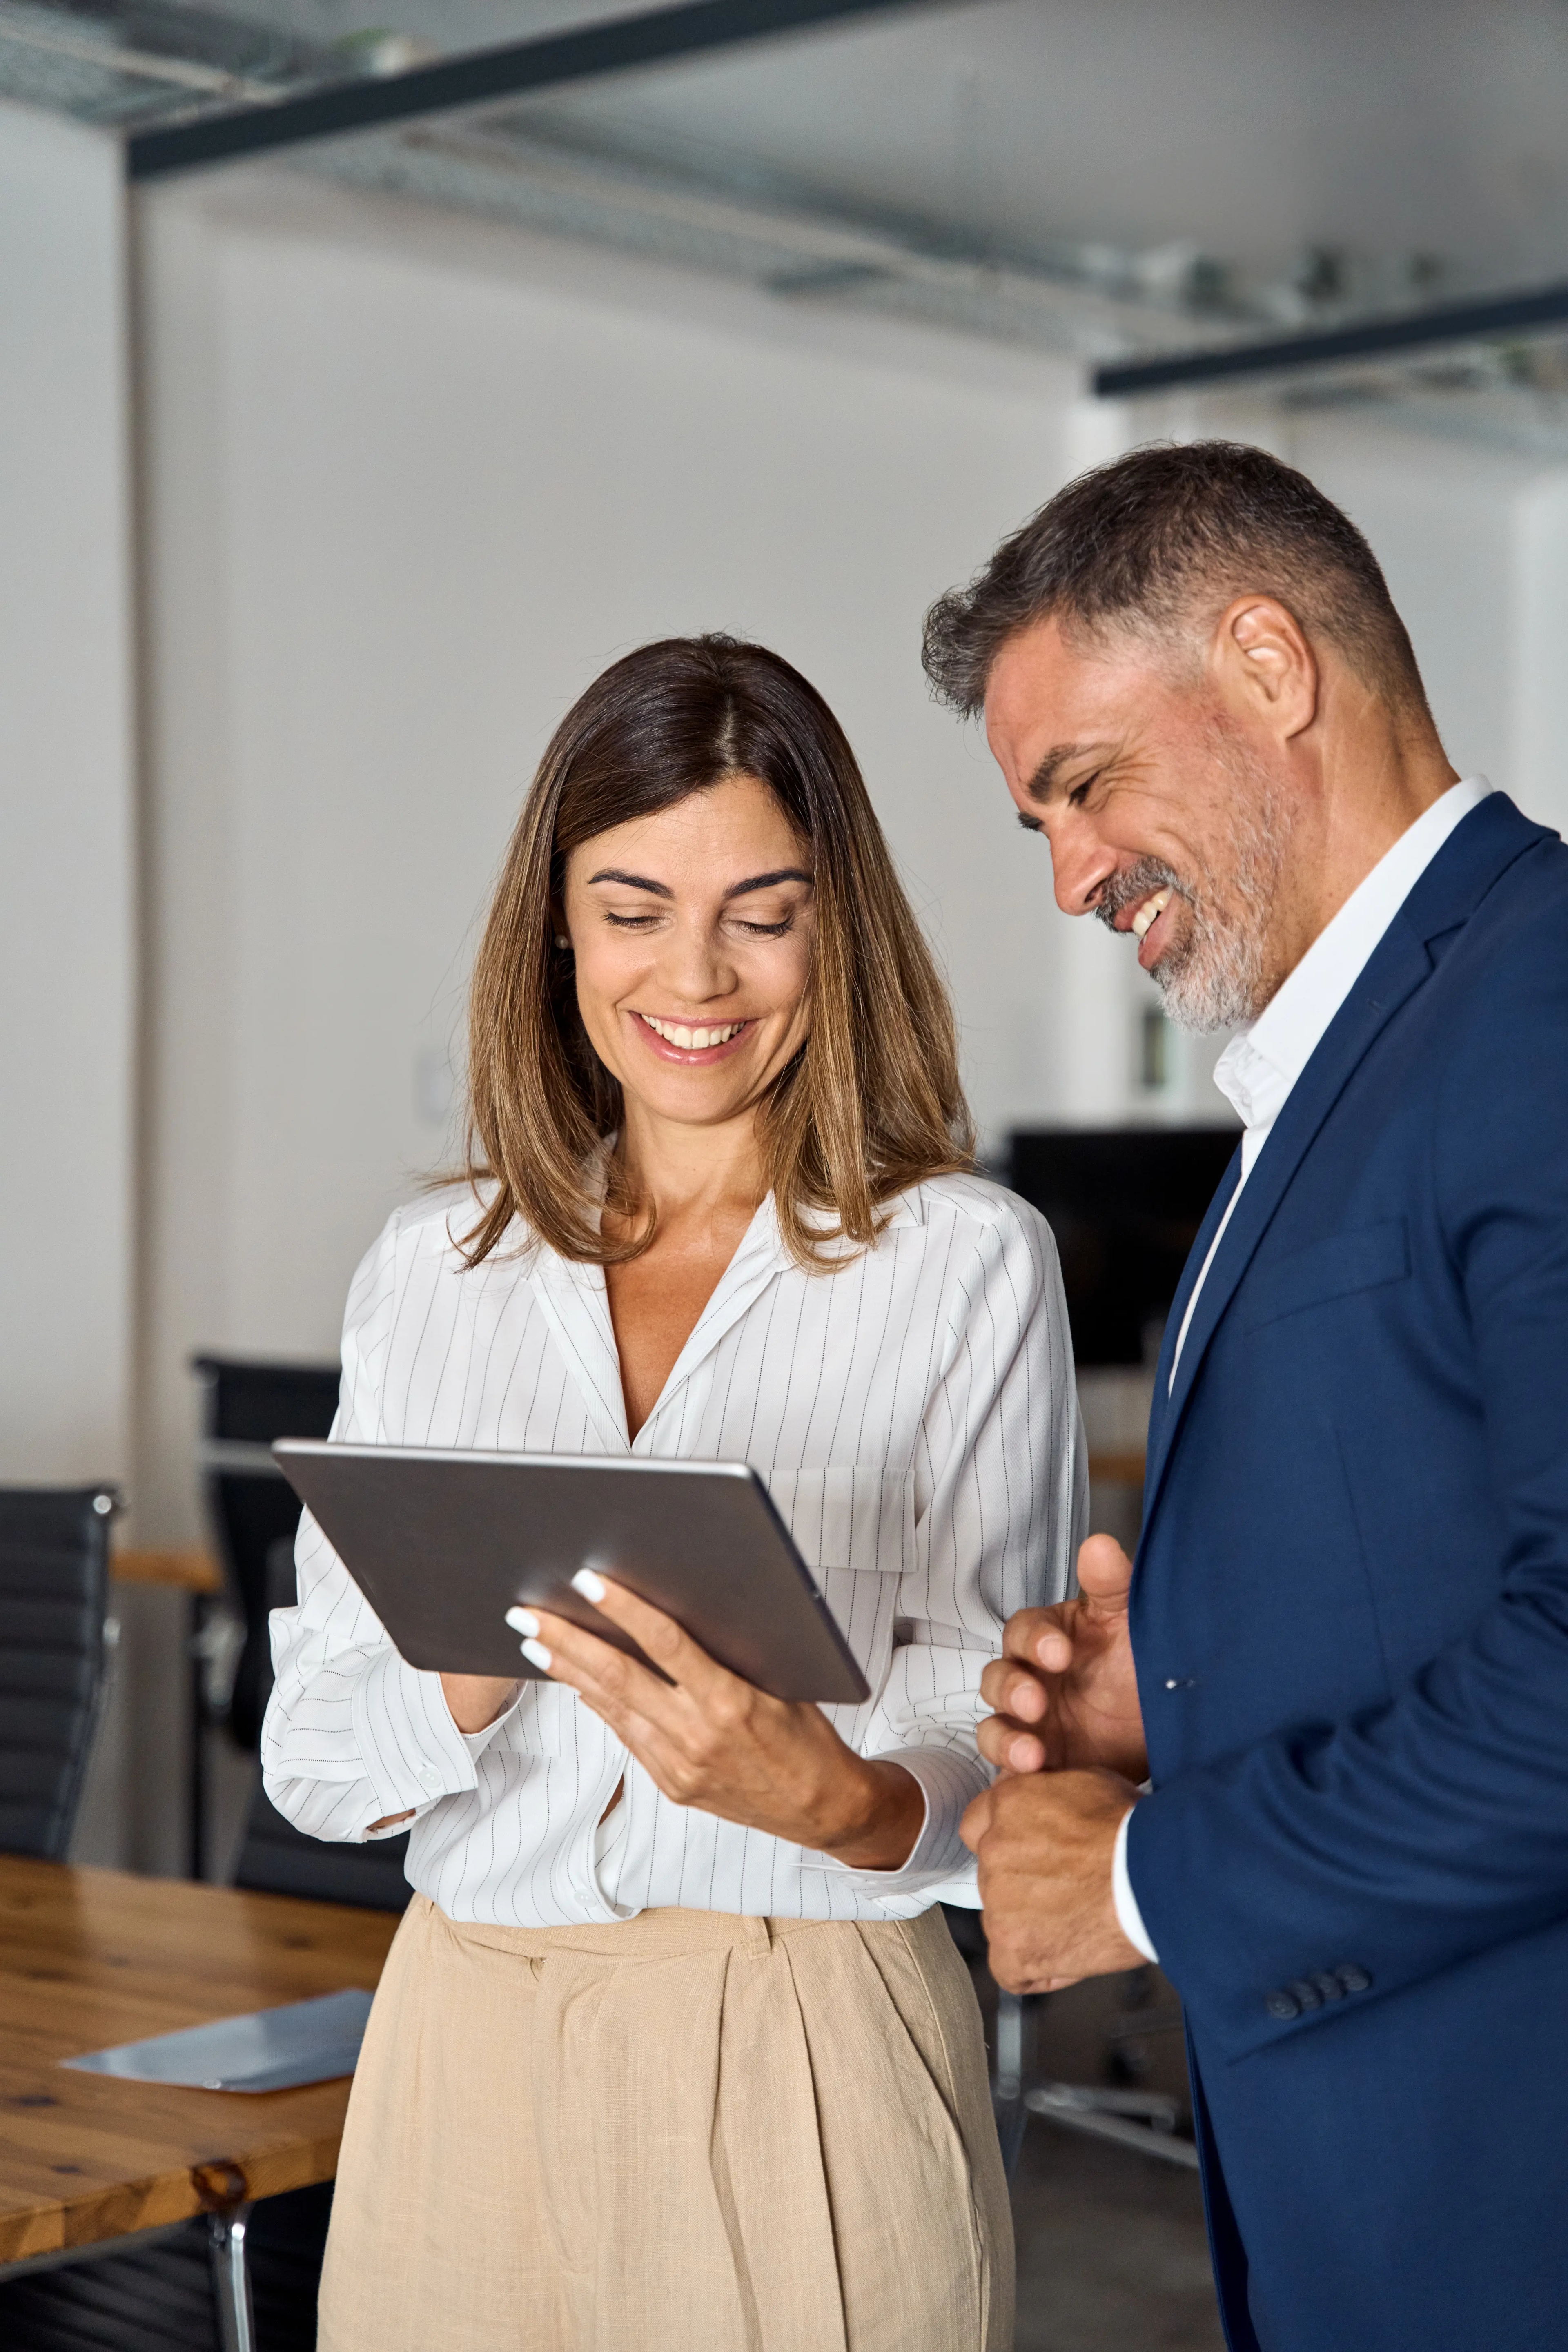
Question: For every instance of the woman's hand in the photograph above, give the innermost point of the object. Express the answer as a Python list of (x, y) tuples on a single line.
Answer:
[(475, 1700), (712, 1741)]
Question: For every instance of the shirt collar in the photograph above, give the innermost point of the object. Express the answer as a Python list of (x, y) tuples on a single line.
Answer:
[(1264, 1060)]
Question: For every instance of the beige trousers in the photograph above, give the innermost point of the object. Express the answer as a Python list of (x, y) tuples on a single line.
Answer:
[(685, 2133)]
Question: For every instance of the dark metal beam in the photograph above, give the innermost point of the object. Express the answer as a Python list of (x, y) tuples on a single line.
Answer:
[(618, 43), (1528, 312)]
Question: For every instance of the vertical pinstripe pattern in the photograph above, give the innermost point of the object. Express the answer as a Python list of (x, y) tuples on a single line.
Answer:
[(914, 1416)]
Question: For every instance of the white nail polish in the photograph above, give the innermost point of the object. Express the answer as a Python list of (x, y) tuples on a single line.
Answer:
[(522, 1621), (537, 1656), (590, 1586)]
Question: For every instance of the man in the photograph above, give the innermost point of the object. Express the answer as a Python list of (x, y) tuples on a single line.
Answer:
[(1344, 1657)]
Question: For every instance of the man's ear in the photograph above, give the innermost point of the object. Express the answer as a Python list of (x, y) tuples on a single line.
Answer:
[(1265, 665)]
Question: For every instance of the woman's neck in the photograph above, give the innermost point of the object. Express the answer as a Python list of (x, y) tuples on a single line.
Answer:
[(703, 1186), (689, 1176)]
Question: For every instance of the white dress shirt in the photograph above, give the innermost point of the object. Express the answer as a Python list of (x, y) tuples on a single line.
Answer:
[(1263, 1061), (914, 1416)]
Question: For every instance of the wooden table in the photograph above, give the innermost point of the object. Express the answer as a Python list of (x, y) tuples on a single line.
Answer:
[(92, 1957), (183, 1572)]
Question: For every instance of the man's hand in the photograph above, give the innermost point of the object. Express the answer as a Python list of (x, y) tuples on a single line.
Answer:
[(1064, 1691), (1044, 1844)]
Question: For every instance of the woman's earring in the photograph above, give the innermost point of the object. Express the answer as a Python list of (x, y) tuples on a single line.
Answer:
[(562, 941)]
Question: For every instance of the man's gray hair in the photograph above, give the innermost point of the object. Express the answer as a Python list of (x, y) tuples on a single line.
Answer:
[(1157, 544)]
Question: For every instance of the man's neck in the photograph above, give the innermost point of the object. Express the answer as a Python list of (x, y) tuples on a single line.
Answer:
[(1371, 784)]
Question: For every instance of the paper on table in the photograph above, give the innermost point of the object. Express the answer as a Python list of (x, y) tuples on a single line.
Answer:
[(269, 2050)]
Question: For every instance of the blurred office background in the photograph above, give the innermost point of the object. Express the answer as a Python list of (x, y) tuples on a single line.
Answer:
[(337, 455), (329, 474)]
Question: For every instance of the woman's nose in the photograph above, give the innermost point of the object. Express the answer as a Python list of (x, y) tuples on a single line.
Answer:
[(695, 966)]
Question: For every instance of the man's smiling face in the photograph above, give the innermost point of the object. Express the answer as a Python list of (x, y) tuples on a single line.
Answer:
[(1164, 819)]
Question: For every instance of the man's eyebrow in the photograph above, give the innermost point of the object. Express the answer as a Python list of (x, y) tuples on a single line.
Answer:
[(766, 881), (631, 881), (1042, 782)]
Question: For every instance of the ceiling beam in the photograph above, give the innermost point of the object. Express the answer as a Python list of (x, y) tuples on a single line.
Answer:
[(618, 43), (1531, 312)]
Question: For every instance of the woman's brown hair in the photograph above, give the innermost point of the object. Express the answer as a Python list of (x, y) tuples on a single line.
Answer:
[(872, 1102)]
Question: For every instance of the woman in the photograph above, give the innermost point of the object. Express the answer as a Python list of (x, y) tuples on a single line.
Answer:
[(673, 2048)]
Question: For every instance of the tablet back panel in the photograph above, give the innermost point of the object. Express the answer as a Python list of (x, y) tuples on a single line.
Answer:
[(442, 1544)]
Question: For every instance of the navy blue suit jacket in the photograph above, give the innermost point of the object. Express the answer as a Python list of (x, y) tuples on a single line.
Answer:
[(1350, 1617)]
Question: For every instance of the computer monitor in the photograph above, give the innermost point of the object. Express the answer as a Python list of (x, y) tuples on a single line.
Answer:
[(1125, 1205)]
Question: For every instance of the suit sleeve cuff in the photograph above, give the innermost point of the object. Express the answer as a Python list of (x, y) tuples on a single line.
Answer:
[(1128, 1917), (413, 1753)]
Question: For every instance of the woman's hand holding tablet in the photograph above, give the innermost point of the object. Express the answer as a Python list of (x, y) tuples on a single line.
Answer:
[(711, 1740)]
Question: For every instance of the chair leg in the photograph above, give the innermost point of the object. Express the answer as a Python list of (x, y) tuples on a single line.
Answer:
[(1007, 2084), (231, 2279)]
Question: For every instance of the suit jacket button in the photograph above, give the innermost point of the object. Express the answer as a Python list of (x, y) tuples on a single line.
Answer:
[(1306, 1992), (1283, 2005), (1353, 1979), (1329, 1985)]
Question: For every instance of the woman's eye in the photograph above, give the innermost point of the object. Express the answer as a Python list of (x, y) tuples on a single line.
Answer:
[(630, 922), (768, 930)]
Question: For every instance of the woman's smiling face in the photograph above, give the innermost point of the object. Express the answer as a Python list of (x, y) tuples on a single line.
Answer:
[(692, 933)]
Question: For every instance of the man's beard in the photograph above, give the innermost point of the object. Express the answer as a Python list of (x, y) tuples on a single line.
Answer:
[(1216, 974)]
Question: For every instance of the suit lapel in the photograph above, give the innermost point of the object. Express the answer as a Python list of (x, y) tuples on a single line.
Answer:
[(1479, 850), (1398, 966), (1196, 1256)]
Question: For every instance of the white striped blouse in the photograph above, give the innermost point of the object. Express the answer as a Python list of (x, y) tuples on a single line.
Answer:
[(914, 1416)]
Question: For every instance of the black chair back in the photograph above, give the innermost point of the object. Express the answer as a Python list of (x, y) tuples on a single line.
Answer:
[(251, 1504), (277, 1859), (53, 1581)]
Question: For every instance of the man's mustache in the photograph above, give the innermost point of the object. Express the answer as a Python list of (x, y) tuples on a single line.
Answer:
[(1131, 889)]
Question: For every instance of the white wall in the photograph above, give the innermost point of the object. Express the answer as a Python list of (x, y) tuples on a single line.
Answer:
[(66, 848)]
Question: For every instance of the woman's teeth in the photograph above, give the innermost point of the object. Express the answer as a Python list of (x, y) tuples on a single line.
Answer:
[(692, 1041), (1150, 911)]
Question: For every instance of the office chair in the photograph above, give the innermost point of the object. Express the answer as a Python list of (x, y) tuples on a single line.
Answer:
[(159, 2295), (53, 1581), (251, 1503)]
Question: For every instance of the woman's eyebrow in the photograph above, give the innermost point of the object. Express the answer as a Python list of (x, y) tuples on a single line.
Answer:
[(766, 881), (631, 881), (736, 890)]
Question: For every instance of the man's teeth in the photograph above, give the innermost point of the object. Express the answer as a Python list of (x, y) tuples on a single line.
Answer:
[(692, 1041), (1148, 911)]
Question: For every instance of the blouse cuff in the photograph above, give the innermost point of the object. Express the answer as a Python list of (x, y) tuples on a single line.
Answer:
[(948, 1781), (413, 1751)]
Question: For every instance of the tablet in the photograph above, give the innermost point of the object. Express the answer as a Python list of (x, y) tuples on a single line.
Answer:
[(442, 1544)]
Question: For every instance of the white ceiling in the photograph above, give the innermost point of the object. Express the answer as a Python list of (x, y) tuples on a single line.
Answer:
[(1255, 128), (1196, 167)]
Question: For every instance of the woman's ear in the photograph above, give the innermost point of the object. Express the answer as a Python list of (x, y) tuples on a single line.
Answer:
[(558, 925)]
